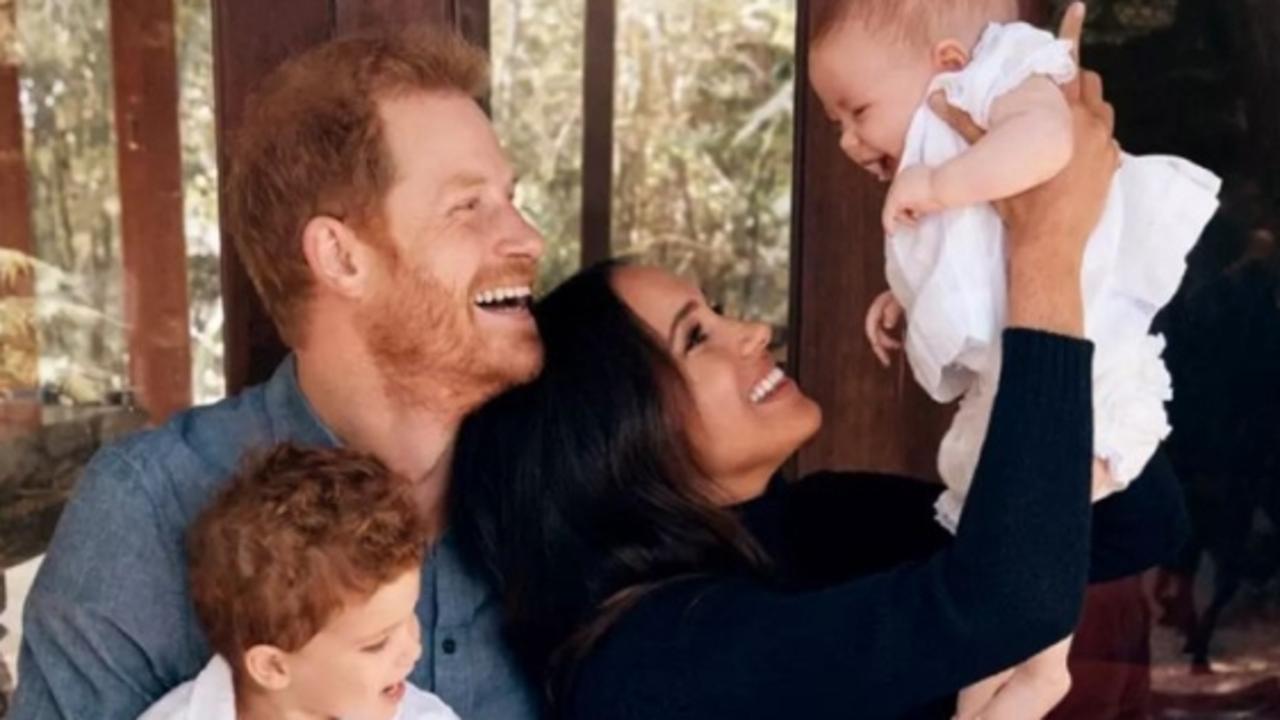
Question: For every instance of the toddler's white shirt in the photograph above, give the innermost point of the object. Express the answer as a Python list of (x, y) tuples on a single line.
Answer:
[(211, 696), (949, 274)]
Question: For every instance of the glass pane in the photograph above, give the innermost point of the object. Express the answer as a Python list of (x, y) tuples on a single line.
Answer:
[(66, 100), (703, 145), (536, 48), (200, 196), (1198, 79)]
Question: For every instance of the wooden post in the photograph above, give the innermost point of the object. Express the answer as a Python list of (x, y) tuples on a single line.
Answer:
[(597, 129), (875, 419), (250, 38), (1035, 12), (151, 213), (19, 415), (15, 201)]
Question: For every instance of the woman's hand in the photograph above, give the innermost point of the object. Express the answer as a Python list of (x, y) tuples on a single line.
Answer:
[(1049, 225)]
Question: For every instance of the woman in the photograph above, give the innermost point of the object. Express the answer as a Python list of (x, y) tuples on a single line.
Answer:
[(623, 503)]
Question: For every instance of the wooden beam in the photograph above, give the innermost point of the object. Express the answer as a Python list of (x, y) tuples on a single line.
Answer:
[(250, 38), (875, 419), (20, 414), (15, 191), (1036, 12), (351, 16), (15, 199), (151, 215), (597, 129)]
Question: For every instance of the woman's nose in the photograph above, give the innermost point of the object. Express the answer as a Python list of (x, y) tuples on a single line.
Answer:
[(755, 338)]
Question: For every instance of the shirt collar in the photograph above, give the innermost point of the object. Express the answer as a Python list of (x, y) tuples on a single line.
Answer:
[(291, 415)]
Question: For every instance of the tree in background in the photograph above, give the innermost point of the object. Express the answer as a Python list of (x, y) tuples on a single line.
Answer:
[(703, 136)]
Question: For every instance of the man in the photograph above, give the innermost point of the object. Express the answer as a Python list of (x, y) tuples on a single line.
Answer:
[(372, 206)]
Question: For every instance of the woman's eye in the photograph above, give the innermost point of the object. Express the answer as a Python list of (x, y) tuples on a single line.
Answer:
[(697, 336), (718, 308)]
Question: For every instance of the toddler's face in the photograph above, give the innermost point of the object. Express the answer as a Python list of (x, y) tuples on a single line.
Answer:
[(870, 87), (355, 668)]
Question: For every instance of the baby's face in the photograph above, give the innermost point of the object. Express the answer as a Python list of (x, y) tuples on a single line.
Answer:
[(870, 87), (355, 668)]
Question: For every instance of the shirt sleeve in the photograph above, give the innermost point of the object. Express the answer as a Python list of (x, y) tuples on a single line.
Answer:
[(106, 626), (1011, 584)]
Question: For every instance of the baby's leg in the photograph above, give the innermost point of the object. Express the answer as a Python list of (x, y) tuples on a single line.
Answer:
[(1035, 687), (977, 696)]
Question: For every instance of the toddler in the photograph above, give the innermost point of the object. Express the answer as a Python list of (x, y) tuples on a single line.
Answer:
[(873, 64), (305, 572)]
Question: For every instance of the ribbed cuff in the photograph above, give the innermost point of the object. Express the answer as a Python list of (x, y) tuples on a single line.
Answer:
[(1045, 367)]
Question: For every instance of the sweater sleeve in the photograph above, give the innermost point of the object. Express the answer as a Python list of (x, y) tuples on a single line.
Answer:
[(1141, 527), (1011, 584)]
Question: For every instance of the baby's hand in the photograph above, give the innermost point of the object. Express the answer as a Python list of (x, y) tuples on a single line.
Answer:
[(883, 317), (911, 196)]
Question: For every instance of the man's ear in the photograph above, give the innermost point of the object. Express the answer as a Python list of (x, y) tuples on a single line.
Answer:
[(950, 55), (337, 258), (268, 666)]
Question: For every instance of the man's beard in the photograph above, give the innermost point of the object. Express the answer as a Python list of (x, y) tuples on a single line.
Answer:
[(430, 353)]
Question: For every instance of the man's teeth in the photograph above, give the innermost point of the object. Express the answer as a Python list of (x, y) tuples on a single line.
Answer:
[(519, 294), (766, 386)]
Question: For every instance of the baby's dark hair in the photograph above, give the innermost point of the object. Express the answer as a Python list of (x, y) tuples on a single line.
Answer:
[(912, 21)]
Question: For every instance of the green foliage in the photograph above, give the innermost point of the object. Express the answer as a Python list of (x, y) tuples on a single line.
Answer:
[(67, 104), (703, 136)]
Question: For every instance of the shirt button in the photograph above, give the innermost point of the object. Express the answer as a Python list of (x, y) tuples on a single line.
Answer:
[(450, 646)]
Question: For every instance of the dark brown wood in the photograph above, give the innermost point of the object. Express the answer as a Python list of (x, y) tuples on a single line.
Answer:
[(250, 38), (1036, 12), (151, 218), (597, 129), (15, 193), (20, 414), (875, 419), (363, 15)]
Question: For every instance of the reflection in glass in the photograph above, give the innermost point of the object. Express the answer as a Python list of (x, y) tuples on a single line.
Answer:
[(1198, 78)]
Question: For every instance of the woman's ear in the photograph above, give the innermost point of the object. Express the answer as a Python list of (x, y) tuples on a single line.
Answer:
[(268, 666), (338, 259), (950, 55)]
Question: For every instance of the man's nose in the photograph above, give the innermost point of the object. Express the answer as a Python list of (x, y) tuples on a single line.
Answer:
[(520, 238)]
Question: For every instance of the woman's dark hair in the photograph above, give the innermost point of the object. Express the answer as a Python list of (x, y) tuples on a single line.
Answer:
[(577, 492)]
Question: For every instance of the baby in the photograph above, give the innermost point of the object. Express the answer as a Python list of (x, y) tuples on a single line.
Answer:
[(305, 572), (873, 64)]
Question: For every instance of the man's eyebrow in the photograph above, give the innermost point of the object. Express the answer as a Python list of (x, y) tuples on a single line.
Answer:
[(689, 307), (469, 180), (463, 181)]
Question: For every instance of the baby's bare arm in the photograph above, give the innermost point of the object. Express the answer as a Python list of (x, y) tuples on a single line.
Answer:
[(1030, 141)]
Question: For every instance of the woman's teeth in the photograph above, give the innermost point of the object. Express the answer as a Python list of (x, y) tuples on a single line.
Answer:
[(765, 387), (519, 296)]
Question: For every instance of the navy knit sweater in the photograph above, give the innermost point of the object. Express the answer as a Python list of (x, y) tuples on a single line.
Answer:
[(878, 612)]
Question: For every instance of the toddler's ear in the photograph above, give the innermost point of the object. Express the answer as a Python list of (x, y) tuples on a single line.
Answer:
[(268, 666), (950, 55)]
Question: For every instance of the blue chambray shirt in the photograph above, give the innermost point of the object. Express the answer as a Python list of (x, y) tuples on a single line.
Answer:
[(109, 626)]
